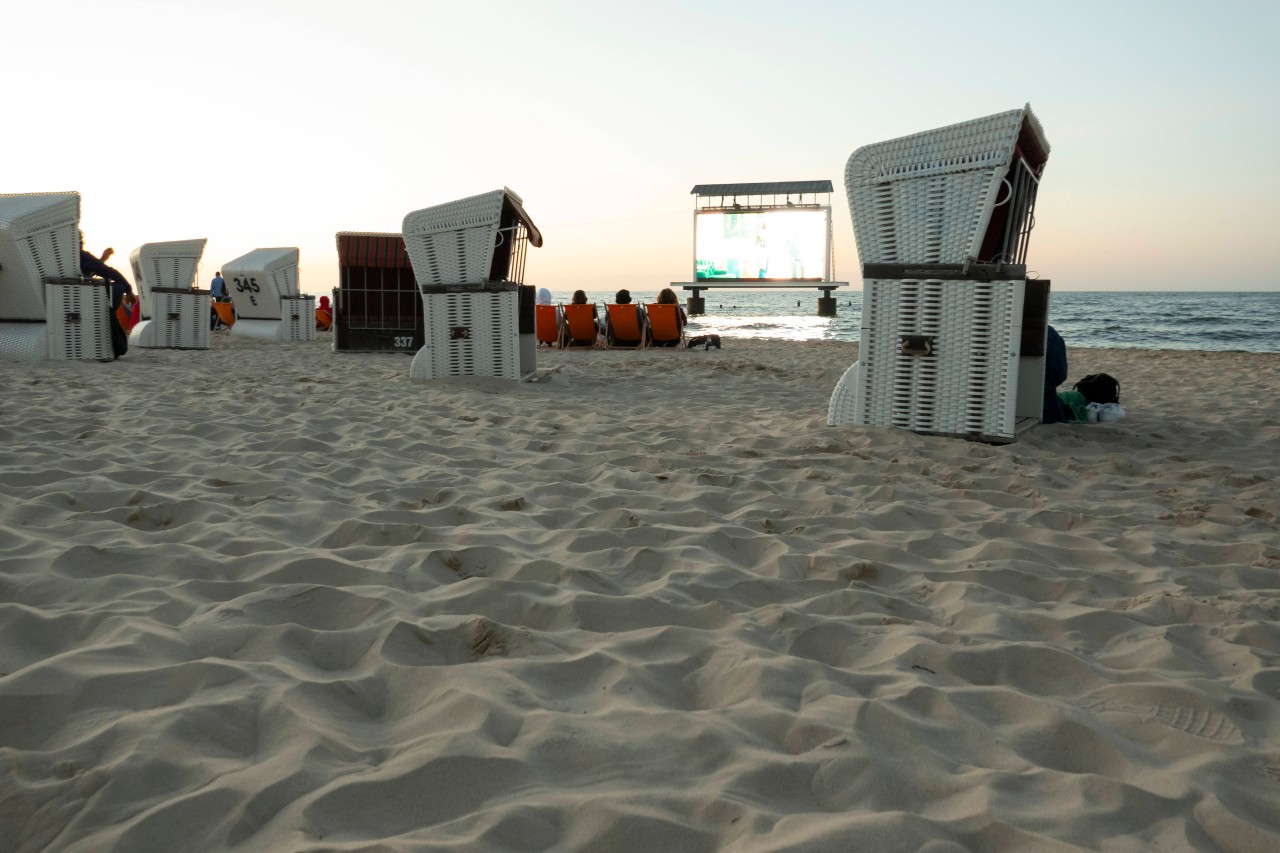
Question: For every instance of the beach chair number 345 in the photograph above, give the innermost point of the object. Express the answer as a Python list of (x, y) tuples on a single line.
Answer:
[(247, 285)]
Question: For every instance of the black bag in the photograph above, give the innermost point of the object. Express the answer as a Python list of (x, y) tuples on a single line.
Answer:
[(1099, 388)]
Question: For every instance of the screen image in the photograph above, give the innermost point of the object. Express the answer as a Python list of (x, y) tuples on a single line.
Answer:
[(761, 245)]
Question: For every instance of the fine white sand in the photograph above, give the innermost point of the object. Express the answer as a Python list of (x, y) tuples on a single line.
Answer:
[(272, 597)]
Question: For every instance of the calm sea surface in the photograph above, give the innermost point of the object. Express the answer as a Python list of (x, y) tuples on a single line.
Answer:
[(1135, 319)]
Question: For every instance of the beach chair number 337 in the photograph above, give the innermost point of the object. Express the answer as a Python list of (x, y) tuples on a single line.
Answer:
[(247, 285)]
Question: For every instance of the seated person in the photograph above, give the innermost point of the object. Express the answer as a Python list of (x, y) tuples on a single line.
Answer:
[(667, 296), (324, 315), (1056, 410), (623, 297), (218, 293), (92, 265), (544, 296), (580, 298)]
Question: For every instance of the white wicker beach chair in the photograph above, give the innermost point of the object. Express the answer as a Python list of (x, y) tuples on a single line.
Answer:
[(933, 197), (468, 259), (47, 310), (942, 220), (269, 307), (175, 314)]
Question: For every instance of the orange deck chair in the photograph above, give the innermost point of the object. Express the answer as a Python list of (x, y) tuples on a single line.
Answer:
[(625, 327), (324, 319), (124, 314), (546, 324), (665, 328), (579, 328), (226, 312)]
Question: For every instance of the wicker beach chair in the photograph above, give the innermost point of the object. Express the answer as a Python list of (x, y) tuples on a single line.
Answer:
[(952, 338), (581, 326), (47, 309), (377, 306), (625, 327), (665, 328), (468, 257), (175, 314), (263, 285)]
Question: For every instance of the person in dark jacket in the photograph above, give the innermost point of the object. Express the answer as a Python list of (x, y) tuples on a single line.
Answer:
[(1055, 373), (91, 265)]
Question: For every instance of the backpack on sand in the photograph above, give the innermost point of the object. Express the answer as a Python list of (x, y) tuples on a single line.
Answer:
[(1099, 388)]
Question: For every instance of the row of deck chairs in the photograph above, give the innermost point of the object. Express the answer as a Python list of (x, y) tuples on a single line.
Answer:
[(624, 326)]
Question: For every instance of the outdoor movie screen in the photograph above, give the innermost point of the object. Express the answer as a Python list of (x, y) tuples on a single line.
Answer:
[(783, 244)]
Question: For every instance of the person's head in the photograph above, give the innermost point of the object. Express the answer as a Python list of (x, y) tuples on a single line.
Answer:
[(579, 297), (622, 297), (544, 296), (218, 274), (667, 296), (324, 302)]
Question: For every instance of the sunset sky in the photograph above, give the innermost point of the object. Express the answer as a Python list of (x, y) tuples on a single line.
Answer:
[(262, 123)]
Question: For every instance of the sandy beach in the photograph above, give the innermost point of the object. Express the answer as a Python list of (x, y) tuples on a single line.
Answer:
[(271, 597)]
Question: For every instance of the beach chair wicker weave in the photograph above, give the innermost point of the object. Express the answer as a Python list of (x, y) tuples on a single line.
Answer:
[(76, 318), (964, 385), (468, 259), (453, 243), (263, 285), (942, 220), (175, 315), (469, 334), (930, 197), (47, 309), (39, 238)]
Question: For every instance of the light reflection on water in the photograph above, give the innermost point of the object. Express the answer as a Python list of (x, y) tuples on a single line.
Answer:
[(1199, 320), (791, 328)]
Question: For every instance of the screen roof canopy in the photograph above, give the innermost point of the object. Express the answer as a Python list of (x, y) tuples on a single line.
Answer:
[(762, 194)]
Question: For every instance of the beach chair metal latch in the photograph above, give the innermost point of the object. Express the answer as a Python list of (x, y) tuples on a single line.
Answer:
[(916, 345), (73, 317), (459, 333)]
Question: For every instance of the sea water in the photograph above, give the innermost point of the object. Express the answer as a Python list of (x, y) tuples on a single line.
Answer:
[(1199, 320)]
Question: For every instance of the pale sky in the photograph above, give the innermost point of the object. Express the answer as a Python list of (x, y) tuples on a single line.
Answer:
[(263, 123)]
